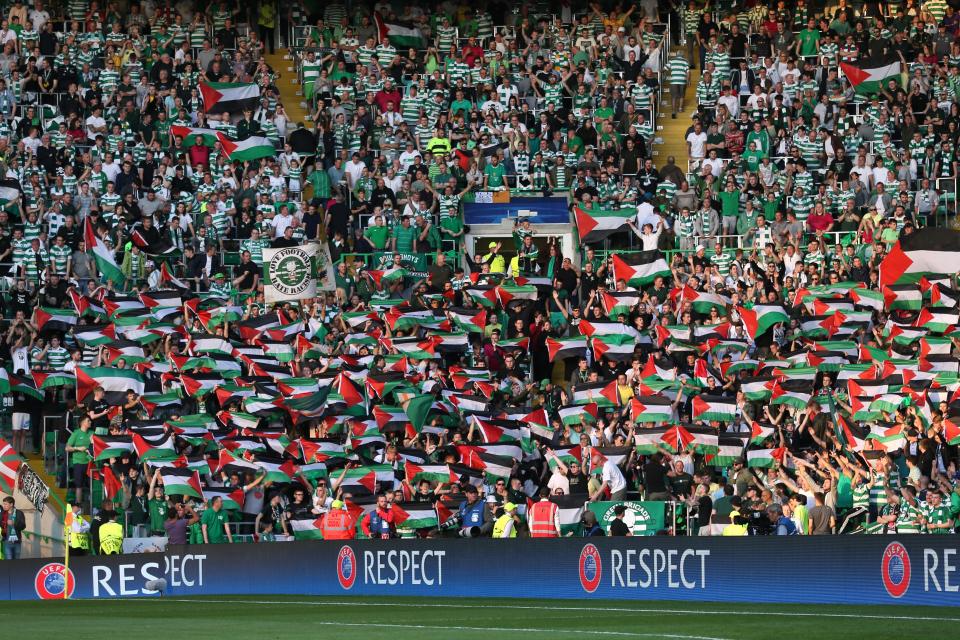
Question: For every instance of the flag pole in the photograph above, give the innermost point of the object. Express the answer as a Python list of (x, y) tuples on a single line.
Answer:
[(67, 532)]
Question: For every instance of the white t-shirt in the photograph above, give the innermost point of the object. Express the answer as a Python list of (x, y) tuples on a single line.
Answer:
[(698, 144), (612, 475), (558, 480), (95, 122)]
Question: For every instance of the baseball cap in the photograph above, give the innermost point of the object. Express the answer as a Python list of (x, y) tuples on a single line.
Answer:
[(491, 245), (337, 504), (509, 506)]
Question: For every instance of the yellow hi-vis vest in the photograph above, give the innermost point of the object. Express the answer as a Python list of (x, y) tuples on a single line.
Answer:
[(111, 538), (501, 525)]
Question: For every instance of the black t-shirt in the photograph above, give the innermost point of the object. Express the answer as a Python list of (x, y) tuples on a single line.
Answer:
[(578, 483), (99, 406), (619, 528), (248, 270), (654, 477)]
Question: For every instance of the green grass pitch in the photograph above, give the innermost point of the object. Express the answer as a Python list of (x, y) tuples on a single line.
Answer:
[(371, 618)]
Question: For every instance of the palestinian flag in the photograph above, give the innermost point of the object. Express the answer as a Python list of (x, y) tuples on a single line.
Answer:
[(307, 528), (932, 250), (189, 135), (228, 97), (604, 394), (729, 450), (575, 414), (364, 480), (702, 301), (566, 347), (761, 318), (181, 482), (399, 34), (615, 303), (793, 393), (415, 515), (49, 319), (567, 455), (469, 319), (951, 432), (253, 148), (9, 465), (617, 347), (639, 269), (493, 465), (765, 458), (903, 296), (569, 511), (105, 447), (757, 388), (850, 437), (597, 224), (759, 433), (232, 500), (867, 298), (95, 335), (651, 409), (869, 76), (115, 382), (53, 379), (160, 447), (433, 473), (711, 408), (102, 256)]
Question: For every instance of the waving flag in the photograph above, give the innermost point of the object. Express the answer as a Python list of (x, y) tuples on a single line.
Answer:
[(596, 224), (641, 268), (711, 408), (253, 148), (399, 34), (868, 76), (761, 318), (415, 515), (102, 256), (181, 482), (115, 382), (229, 97), (929, 251), (308, 527), (189, 135)]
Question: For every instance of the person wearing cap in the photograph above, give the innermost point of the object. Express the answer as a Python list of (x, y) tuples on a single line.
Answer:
[(494, 259), (506, 525), (475, 516), (338, 524)]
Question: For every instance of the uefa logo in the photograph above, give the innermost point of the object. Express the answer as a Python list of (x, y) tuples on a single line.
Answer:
[(346, 567), (50, 584), (591, 568), (895, 569)]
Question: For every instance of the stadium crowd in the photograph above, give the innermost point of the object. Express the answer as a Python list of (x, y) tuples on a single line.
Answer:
[(724, 340)]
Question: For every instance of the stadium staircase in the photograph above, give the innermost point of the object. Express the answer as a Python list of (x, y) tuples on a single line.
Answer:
[(671, 133), (289, 85)]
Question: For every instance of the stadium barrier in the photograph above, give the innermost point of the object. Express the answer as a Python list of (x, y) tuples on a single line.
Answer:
[(916, 570)]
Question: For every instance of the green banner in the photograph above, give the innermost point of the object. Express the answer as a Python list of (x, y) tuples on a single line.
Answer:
[(643, 518), (410, 261)]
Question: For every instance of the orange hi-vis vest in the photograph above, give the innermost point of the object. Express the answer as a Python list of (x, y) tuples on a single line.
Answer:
[(338, 525), (542, 520)]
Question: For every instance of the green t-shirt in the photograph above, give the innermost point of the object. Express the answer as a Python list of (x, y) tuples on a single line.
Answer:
[(495, 175), (214, 521), (405, 237), (157, 508), (378, 235), (80, 438)]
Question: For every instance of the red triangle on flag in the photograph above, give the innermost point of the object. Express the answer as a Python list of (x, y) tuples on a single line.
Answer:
[(210, 95), (855, 75)]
